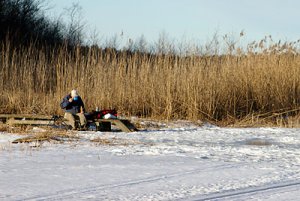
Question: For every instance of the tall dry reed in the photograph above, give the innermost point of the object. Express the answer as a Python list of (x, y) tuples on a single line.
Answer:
[(236, 83)]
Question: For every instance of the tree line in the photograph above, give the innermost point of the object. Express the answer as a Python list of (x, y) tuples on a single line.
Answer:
[(23, 22)]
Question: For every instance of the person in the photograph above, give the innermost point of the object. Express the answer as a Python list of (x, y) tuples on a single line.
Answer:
[(73, 106)]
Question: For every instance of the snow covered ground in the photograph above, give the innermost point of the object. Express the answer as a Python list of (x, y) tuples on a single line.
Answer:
[(179, 161)]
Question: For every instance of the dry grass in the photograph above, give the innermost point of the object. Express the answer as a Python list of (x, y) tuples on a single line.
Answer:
[(262, 78), (115, 142), (258, 142), (3, 127), (50, 136)]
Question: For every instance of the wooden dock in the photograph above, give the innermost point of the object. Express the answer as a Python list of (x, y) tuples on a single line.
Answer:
[(46, 120)]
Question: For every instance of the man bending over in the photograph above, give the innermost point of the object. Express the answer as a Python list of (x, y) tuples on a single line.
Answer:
[(73, 106)]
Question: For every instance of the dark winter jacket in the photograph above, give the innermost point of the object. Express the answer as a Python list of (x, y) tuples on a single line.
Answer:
[(72, 107)]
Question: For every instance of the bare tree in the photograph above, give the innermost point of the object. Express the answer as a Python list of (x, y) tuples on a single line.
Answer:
[(75, 25), (164, 45), (141, 44), (113, 42), (23, 22)]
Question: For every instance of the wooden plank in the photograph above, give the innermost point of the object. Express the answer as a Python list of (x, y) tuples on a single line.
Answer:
[(12, 121), (129, 125), (123, 124), (27, 119), (21, 116)]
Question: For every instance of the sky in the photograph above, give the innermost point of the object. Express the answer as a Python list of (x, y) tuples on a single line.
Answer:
[(186, 19)]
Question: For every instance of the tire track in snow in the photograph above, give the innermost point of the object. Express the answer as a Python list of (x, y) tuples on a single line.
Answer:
[(247, 191), (77, 192)]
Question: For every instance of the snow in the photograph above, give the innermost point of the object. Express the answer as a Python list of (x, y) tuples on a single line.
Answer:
[(176, 161)]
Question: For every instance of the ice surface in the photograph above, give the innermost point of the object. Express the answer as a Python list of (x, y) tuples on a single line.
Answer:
[(178, 162)]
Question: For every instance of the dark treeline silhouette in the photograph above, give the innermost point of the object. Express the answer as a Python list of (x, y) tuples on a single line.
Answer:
[(24, 25), (22, 22)]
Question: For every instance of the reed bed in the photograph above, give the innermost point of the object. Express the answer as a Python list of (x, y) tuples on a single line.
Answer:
[(261, 78)]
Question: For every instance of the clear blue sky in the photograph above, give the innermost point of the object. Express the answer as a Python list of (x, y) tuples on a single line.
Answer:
[(192, 19)]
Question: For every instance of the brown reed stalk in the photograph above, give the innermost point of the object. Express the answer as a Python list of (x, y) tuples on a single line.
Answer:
[(214, 87)]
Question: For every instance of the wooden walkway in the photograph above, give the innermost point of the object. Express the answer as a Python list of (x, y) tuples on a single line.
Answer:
[(44, 120)]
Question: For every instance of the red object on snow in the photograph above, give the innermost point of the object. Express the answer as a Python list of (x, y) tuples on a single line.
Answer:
[(101, 113)]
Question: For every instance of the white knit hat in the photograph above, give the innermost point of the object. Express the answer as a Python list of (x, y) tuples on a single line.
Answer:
[(74, 93)]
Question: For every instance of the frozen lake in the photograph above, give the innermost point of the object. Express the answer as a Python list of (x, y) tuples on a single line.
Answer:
[(181, 161)]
